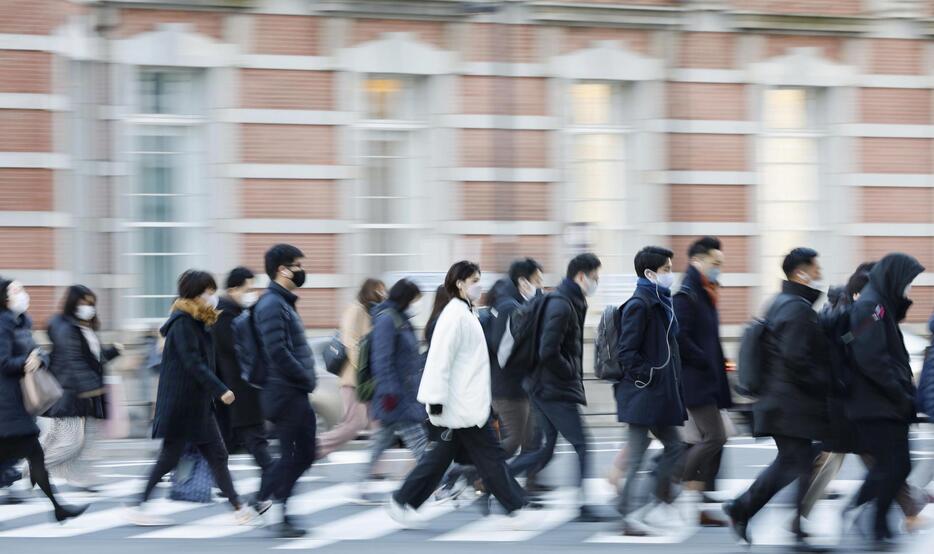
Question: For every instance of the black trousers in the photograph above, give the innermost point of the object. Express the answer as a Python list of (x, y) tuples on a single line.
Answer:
[(887, 443), (794, 462), (253, 438), (482, 447), (555, 418), (296, 431), (13, 449), (213, 450)]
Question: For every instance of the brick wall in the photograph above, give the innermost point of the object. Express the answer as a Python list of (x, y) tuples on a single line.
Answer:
[(482, 147), (496, 253), (923, 307), (706, 101), (897, 205), (503, 95), (922, 248), (286, 90), (320, 249), (288, 198), (134, 21), (815, 7), (734, 305), (778, 45), (25, 131), (736, 251), (893, 56), (365, 30), (26, 190), (895, 155), (502, 43), (523, 201), (44, 302), (707, 152), (318, 308), (294, 35), (24, 71), (287, 144), (27, 248), (707, 50), (895, 105), (35, 17), (709, 203), (577, 38)]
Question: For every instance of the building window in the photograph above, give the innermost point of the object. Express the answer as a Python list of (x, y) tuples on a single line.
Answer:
[(789, 191), (597, 135), (164, 198), (387, 198)]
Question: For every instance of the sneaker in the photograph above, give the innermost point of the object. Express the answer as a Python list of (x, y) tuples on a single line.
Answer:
[(246, 516), (451, 490), (588, 514), (633, 526), (261, 506), (663, 516), (403, 515), (142, 517), (285, 530)]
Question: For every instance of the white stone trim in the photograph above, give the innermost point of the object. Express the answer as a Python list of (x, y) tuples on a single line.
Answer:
[(396, 53), (303, 226), (885, 130), (888, 229), (926, 279), (691, 75), (38, 160), (313, 281), (502, 227), (503, 69), (35, 219), (174, 45), (40, 277), (286, 117), (27, 101), (508, 174), (283, 61), (740, 279), (289, 171), (43, 43), (802, 67), (919, 180), (677, 228), (607, 60), (705, 126), (895, 81), (525, 122), (709, 177)]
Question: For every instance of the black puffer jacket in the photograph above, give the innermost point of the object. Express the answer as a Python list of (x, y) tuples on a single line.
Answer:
[(882, 387), (15, 345), (77, 369), (796, 384), (559, 375)]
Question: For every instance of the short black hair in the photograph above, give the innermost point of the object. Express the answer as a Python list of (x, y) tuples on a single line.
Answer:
[(193, 283), (797, 258), (704, 246), (858, 280), (460, 271), (403, 293), (651, 258), (238, 277), (75, 294), (4, 297), (523, 269), (583, 262), (281, 255)]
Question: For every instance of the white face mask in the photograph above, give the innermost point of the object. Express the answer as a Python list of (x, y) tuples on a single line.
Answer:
[(85, 312), (713, 274), (414, 308), (474, 292), (19, 303), (816, 285), (210, 299), (248, 299), (664, 280), (907, 291), (527, 290), (589, 287)]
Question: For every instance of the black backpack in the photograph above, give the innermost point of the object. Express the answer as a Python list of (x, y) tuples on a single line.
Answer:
[(605, 363), (248, 350), (518, 347), (752, 365)]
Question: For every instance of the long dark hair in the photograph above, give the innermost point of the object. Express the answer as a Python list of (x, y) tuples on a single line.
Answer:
[(461, 271), (75, 294), (441, 300)]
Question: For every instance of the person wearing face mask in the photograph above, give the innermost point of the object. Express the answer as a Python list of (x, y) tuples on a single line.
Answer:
[(556, 383), (396, 364), (290, 377), (188, 387), (19, 355), (244, 418), (355, 324), (882, 393), (77, 361), (793, 403), (455, 387), (649, 398), (703, 369)]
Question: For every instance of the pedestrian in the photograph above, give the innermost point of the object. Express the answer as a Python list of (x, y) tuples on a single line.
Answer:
[(440, 302), (245, 416), (792, 407), (649, 398), (77, 361), (556, 383), (455, 387), (355, 323), (290, 373), (188, 386), (703, 370), (19, 355), (881, 398), (396, 366)]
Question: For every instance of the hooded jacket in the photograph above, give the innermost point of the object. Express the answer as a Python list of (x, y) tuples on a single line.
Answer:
[(188, 385), (882, 386)]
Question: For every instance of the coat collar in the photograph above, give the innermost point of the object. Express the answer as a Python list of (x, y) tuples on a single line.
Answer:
[(228, 305), (573, 292), (197, 310), (289, 296), (804, 291)]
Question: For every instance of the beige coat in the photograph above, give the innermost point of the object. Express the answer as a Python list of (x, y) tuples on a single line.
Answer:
[(355, 323)]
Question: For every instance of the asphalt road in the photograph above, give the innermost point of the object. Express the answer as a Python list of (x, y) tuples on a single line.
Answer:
[(338, 525)]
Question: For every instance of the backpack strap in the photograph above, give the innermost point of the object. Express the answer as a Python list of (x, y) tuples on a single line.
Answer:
[(863, 326)]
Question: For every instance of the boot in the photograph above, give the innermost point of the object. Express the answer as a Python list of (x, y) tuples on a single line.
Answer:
[(64, 512)]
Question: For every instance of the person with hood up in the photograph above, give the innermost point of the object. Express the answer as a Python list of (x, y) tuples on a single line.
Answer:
[(881, 398), (188, 387)]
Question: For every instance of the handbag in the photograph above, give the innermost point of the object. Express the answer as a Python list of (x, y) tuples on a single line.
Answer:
[(40, 391), (335, 355), (192, 479)]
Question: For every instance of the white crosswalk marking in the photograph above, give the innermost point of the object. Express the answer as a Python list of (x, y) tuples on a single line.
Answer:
[(526, 527), (94, 522), (8, 513)]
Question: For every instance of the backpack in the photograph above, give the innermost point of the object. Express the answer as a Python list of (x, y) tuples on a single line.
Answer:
[(488, 316), (519, 345), (605, 363), (751, 366), (366, 384), (248, 350)]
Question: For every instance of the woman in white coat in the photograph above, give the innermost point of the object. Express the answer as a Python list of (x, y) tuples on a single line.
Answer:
[(455, 389)]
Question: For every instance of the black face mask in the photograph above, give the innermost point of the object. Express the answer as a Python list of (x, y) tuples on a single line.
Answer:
[(298, 277)]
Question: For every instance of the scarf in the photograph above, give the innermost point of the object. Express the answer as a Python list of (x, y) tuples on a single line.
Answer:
[(664, 294), (712, 288)]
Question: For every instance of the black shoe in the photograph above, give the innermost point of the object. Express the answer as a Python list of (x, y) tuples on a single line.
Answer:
[(286, 530), (64, 512), (882, 545), (589, 515), (737, 524), (11, 500), (802, 545), (533, 486)]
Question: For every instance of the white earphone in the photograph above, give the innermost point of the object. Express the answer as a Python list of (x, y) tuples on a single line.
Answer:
[(643, 384)]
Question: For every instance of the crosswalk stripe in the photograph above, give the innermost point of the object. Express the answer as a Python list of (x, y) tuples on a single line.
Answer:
[(94, 522), (8, 513), (677, 537)]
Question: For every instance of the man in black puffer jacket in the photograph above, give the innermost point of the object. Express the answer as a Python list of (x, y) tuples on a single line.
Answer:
[(556, 385), (882, 393), (290, 370)]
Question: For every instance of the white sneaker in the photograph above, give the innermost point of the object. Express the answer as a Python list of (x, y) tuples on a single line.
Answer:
[(688, 505), (142, 517), (403, 515), (635, 526), (663, 516), (246, 516)]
